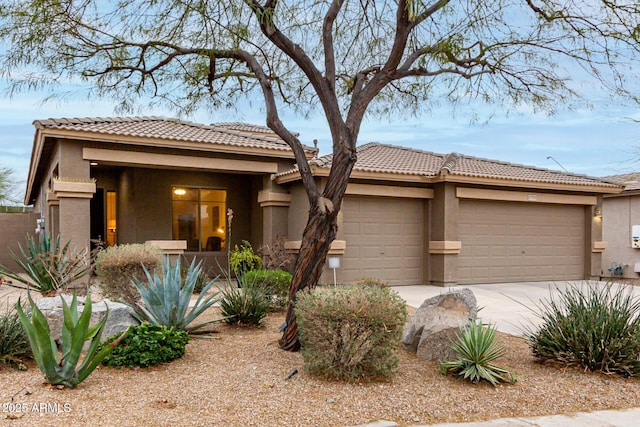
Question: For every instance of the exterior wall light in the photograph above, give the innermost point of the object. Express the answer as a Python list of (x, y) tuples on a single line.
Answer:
[(597, 212)]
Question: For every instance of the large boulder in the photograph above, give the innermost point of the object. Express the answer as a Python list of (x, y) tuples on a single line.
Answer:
[(119, 319), (435, 324)]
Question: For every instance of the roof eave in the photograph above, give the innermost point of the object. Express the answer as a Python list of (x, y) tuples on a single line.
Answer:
[(505, 182), (625, 193), (36, 152), (167, 143), (356, 174)]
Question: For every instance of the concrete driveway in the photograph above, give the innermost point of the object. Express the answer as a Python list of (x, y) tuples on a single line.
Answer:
[(507, 305)]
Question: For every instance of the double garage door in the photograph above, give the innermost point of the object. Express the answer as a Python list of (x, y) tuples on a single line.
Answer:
[(385, 239), (501, 241), (515, 242)]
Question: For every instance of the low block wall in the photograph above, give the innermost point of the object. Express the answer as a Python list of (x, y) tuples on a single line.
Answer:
[(13, 229)]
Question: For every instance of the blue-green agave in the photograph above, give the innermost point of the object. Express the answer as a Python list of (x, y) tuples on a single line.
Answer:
[(165, 300), (47, 264)]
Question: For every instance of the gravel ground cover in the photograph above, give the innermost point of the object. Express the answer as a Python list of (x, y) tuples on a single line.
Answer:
[(237, 377)]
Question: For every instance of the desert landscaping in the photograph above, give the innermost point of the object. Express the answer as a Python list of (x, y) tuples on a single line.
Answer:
[(237, 376)]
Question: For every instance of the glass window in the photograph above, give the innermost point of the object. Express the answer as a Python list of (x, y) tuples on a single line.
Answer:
[(199, 217)]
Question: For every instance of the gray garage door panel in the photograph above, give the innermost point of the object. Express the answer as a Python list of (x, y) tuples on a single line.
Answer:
[(384, 239), (506, 242)]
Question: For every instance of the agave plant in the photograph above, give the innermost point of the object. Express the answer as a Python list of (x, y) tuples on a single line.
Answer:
[(165, 300), (47, 264), (62, 368), (477, 348)]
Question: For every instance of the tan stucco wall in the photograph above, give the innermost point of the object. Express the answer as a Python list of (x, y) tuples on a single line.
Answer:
[(68, 215), (619, 214), (13, 230), (298, 211)]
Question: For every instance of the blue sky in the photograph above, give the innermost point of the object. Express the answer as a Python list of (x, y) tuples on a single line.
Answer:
[(599, 141)]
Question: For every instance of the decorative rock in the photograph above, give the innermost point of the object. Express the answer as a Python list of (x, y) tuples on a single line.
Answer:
[(435, 324), (120, 315)]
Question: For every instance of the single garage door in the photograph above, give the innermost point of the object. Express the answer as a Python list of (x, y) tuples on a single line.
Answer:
[(385, 239), (516, 242)]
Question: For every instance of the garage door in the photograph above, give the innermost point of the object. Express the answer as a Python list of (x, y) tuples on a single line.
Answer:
[(384, 239), (515, 242)]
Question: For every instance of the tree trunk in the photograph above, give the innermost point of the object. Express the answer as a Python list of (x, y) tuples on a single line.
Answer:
[(316, 241)]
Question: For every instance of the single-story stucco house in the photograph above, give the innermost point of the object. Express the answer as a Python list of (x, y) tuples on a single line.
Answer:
[(409, 216), (620, 213)]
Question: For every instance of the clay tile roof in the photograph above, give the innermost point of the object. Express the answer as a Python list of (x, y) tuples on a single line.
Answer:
[(485, 168), (631, 181), (375, 157), (231, 134)]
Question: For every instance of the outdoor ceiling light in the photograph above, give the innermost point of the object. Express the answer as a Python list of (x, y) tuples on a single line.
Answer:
[(179, 191)]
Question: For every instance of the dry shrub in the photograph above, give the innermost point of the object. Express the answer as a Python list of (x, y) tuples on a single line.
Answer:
[(371, 281), (275, 255), (350, 332), (116, 267)]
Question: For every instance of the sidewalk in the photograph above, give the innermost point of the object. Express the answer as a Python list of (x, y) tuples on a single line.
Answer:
[(622, 418)]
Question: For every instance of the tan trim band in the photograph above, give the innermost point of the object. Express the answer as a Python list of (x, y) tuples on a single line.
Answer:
[(599, 247), (337, 246), (173, 161), (521, 196), (171, 247), (389, 191), (269, 198), (445, 247), (72, 189)]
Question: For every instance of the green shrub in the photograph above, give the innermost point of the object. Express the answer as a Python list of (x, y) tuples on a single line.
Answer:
[(117, 266), (165, 300), (243, 260), (596, 327), (275, 284), (147, 345), (14, 341), (350, 332), (246, 306), (61, 368), (477, 349), (371, 281), (47, 265)]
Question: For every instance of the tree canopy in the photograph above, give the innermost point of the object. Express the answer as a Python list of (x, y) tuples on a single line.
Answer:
[(342, 57), (7, 187)]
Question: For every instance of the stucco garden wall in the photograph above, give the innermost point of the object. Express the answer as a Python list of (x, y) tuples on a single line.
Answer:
[(13, 228)]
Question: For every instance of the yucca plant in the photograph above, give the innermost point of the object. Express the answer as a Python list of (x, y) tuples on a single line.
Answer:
[(165, 300), (247, 306), (14, 342), (47, 265), (477, 349), (61, 368), (596, 327)]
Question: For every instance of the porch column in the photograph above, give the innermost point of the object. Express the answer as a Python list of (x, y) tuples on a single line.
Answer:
[(444, 243), (275, 210), (596, 246), (74, 212)]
